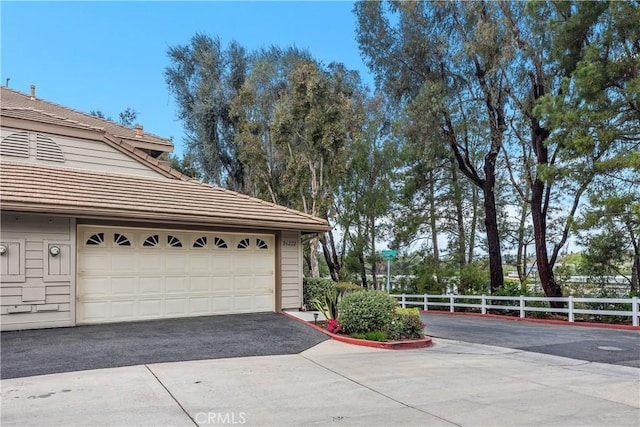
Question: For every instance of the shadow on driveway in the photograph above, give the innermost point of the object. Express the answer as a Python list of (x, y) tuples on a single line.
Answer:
[(48, 351)]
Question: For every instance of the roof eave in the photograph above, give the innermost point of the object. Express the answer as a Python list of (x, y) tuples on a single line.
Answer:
[(159, 217)]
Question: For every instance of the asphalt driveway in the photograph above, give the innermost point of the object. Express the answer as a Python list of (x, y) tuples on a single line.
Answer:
[(48, 351)]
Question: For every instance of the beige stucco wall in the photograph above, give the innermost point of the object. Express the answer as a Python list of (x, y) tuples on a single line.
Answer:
[(291, 270), (81, 154), (37, 289)]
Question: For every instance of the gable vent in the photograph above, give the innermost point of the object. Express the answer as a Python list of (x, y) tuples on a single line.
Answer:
[(15, 145), (47, 149)]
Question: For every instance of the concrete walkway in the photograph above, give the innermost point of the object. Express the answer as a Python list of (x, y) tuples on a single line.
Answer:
[(451, 383)]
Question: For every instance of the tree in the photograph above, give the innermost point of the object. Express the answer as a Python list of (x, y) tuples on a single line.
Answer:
[(313, 127), (574, 81), (366, 194), (205, 78), (125, 118), (444, 60)]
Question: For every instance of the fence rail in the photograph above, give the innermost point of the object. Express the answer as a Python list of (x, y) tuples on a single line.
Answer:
[(523, 305)]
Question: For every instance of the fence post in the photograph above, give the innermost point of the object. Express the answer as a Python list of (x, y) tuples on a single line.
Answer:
[(634, 310), (451, 309), (571, 308), (426, 303), (404, 302), (522, 315), (484, 304)]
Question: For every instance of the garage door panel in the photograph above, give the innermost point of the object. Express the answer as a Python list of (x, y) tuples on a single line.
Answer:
[(262, 283), (124, 286), (151, 308), (243, 304), (151, 261), (95, 287), (221, 263), (124, 263), (156, 278), (176, 263), (95, 263), (263, 264), (176, 307), (199, 306), (124, 310), (222, 284), (263, 302), (151, 285), (222, 304), (199, 263), (176, 285), (243, 283), (200, 284)]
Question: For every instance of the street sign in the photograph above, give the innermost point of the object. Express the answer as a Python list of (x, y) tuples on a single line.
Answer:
[(389, 255)]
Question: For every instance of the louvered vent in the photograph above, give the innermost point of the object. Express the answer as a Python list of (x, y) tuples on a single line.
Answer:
[(47, 149), (15, 145)]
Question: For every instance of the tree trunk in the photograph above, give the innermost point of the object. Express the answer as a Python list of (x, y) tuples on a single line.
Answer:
[(539, 216), (474, 223), (434, 226), (521, 255), (334, 269), (457, 196), (363, 270), (313, 257), (491, 222)]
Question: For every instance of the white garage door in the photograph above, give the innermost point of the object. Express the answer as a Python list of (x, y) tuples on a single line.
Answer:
[(127, 274)]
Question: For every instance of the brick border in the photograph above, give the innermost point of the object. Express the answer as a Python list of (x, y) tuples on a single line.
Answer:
[(392, 345)]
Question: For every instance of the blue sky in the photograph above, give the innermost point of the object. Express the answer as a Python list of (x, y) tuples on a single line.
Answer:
[(111, 55)]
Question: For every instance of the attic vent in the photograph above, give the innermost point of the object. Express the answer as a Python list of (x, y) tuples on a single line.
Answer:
[(47, 149), (15, 145)]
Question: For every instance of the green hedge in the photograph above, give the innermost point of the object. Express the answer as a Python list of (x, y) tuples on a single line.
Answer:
[(406, 324), (361, 312), (315, 288)]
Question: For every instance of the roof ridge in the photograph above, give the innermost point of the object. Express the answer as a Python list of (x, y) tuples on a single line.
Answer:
[(84, 114), (46, 113)]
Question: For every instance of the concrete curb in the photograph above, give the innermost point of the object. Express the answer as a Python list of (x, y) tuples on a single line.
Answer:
[(392, 345), (532, 320)]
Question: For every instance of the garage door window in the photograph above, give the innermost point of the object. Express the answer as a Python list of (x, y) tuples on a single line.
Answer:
[(244, 244), (220, 243), (200, 242), (96, 240), (121, 239), (261, 244), (173, 242), (151, 241)]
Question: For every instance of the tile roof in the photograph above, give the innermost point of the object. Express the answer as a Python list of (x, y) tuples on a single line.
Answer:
[(12, 100), (32, 187)]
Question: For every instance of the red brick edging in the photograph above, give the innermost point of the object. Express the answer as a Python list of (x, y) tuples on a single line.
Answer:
[(533, 320), (391, 345)]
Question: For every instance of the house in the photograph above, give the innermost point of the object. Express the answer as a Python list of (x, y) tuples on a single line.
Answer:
[(96, 229)]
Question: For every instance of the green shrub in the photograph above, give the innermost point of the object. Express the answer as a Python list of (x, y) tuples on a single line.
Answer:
[(371, 336), (327, 304), (406, 324), (315, 288), (366, 311), (346, 287)]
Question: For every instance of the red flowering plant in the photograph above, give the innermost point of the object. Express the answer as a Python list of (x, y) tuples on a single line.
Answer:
[(334, 326)]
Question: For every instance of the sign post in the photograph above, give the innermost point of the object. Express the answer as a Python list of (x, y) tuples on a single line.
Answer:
[(389, 255)]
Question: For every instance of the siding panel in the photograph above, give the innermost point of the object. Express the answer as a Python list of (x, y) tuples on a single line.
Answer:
[(35, 303), (291, 270)]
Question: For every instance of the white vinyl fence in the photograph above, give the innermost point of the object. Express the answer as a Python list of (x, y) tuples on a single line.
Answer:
[(523, 304)]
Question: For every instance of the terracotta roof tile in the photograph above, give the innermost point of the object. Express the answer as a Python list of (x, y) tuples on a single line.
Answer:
[(38, 188), (11, 99)]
